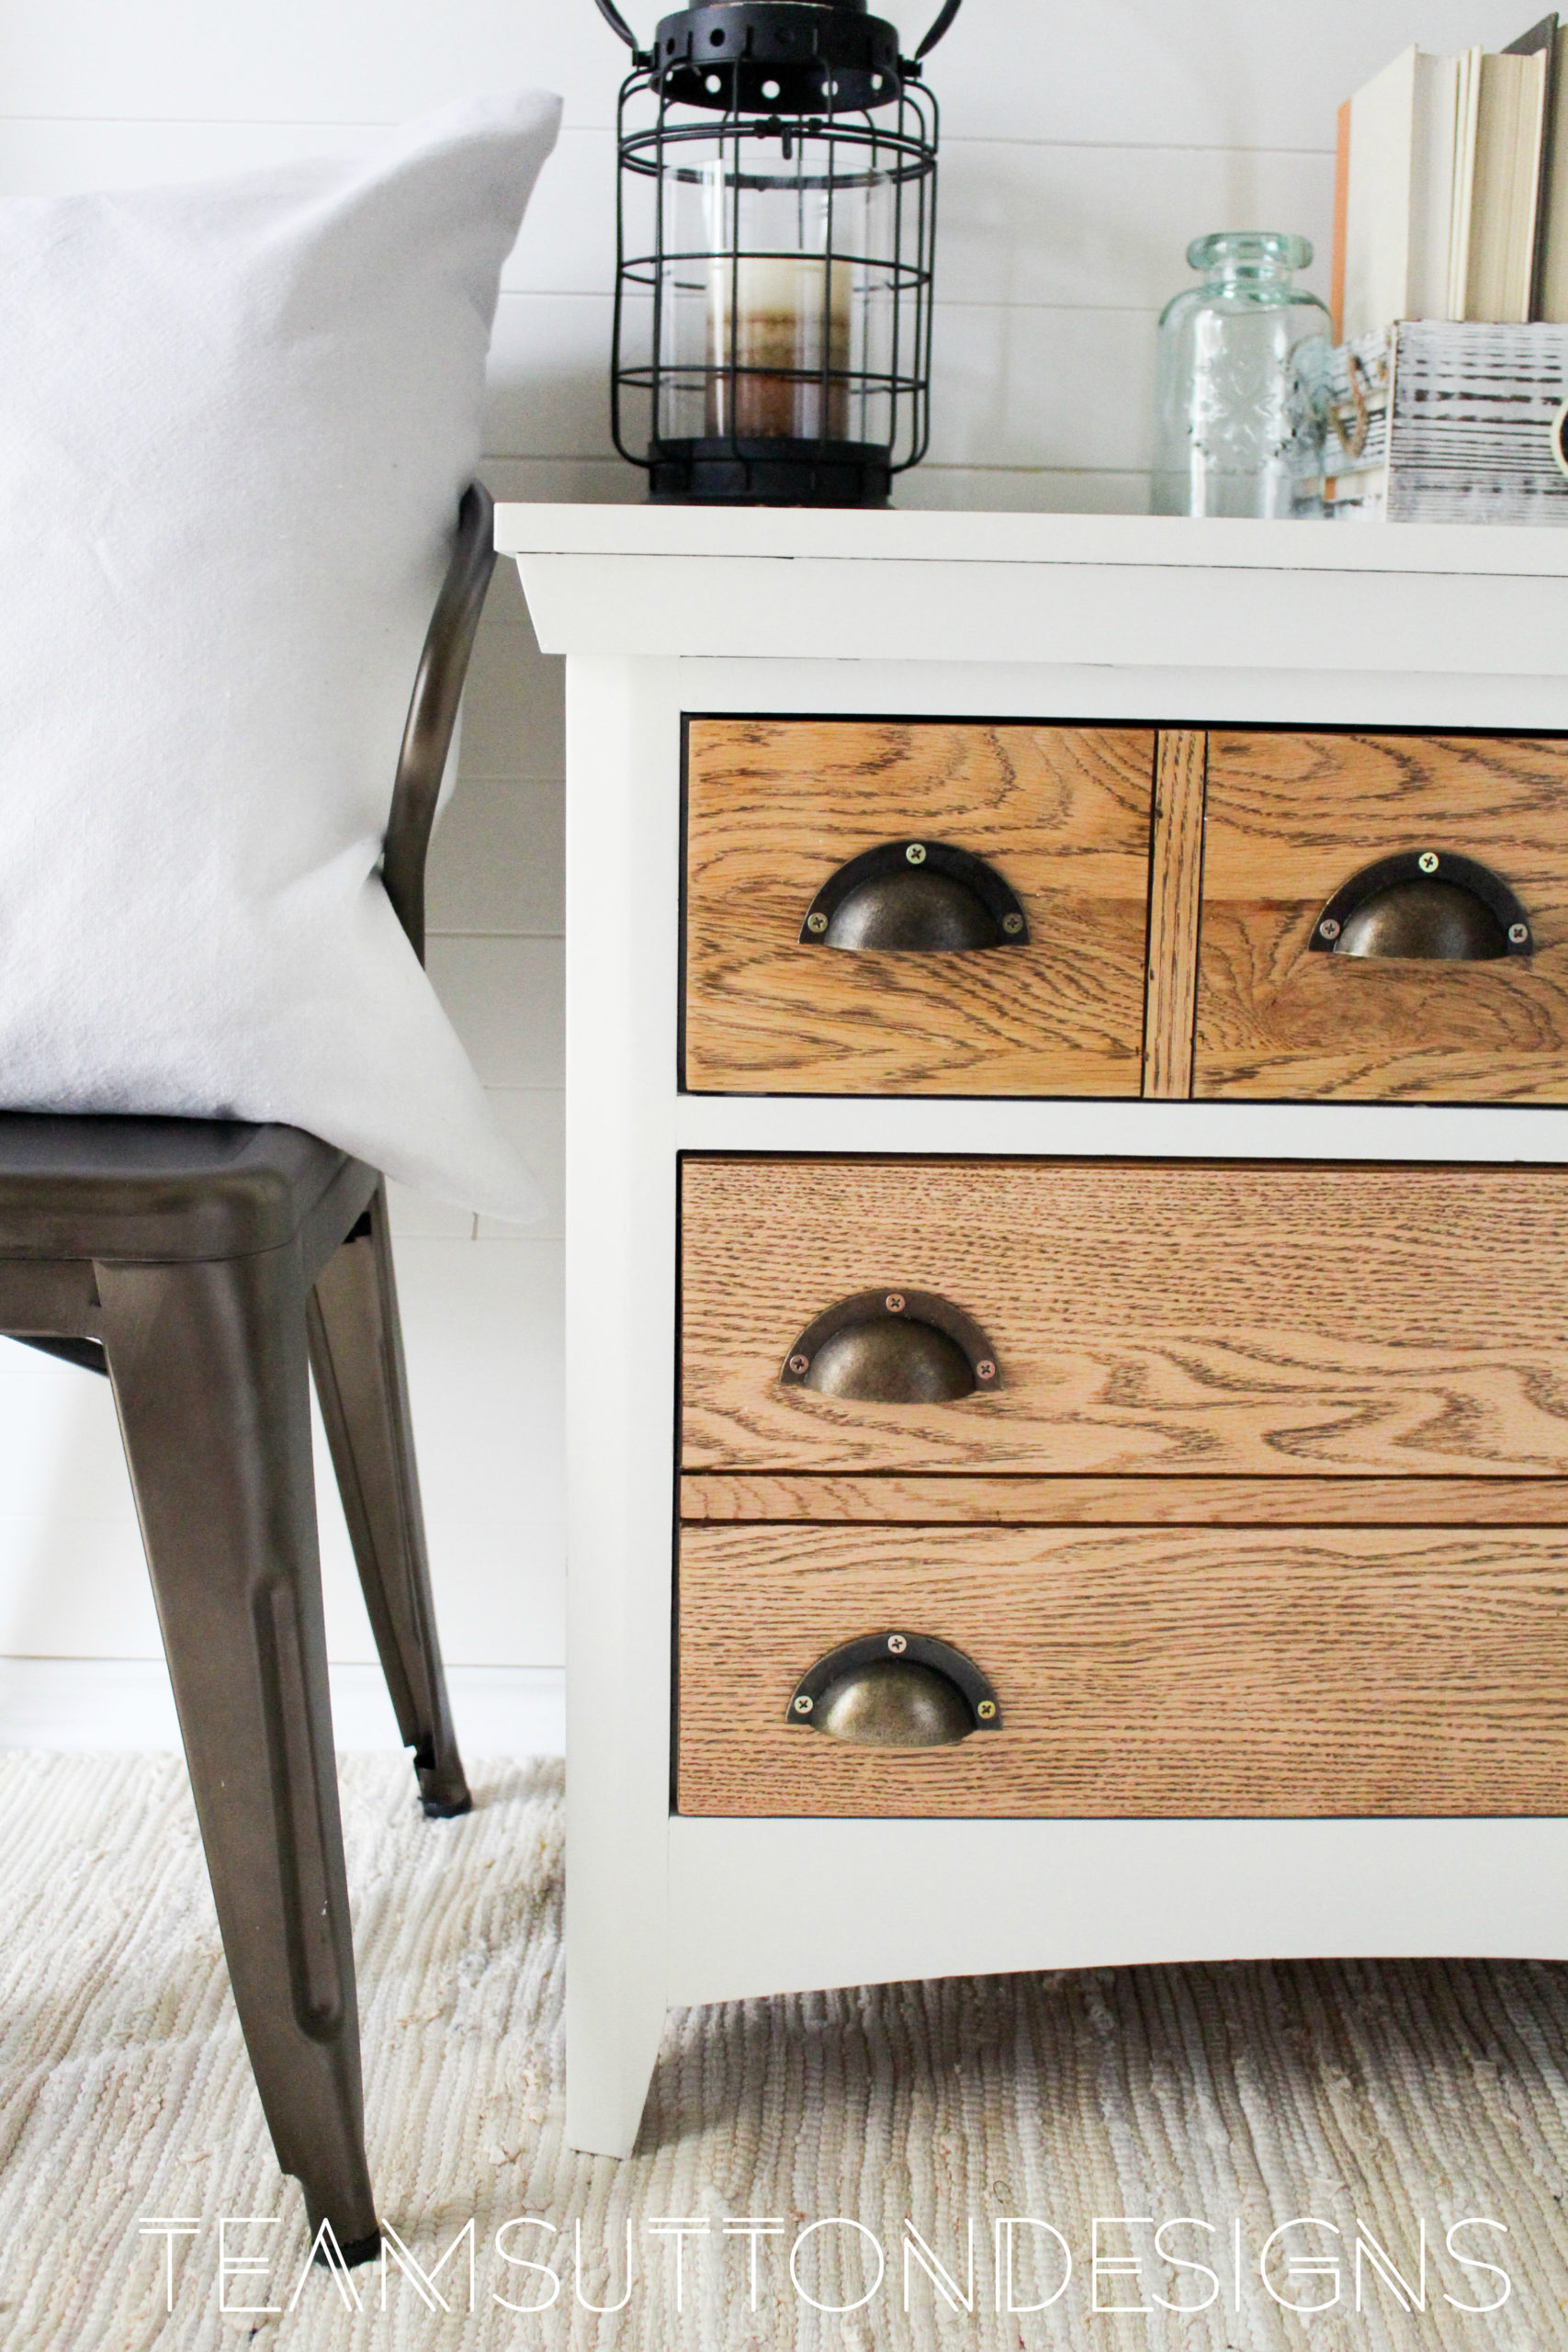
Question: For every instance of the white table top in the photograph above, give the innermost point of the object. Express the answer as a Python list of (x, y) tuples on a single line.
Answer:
[(838, 534), (1119, 592)]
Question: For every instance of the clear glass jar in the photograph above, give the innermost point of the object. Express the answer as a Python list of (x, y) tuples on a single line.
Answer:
[(1228, 392)]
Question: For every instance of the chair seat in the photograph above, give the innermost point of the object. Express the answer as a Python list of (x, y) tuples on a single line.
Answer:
[(163, 1190)]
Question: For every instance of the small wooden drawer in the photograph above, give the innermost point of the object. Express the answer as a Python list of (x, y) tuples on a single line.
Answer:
[(1058, 818), (1143, 1672), (1153, 1318), (1293, 817)]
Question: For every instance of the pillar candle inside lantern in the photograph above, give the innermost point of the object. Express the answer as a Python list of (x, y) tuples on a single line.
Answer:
[(791, 314)]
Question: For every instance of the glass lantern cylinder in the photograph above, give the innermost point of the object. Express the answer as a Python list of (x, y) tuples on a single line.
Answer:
[(1228, 377), (776, 229)]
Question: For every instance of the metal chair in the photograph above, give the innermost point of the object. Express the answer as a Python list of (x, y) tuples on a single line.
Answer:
[(200, 1264)]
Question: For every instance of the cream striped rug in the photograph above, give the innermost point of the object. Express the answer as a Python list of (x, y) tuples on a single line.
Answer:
[(856, 2135)]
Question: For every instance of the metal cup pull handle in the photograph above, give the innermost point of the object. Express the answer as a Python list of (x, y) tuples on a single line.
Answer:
[(892, 1347), (1427, 904), (915, 898), (895, 1691)]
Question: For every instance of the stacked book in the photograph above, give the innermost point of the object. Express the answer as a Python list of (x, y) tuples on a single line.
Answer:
[(1444, 398), (1451, 196)]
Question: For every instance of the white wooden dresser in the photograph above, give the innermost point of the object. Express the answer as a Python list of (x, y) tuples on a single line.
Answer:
[(1068, 1023)]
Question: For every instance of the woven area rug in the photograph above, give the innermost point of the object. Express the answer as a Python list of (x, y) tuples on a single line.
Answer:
[(866, 2129)]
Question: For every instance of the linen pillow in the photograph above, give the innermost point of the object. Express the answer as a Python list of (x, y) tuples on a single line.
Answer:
[(235, 423)]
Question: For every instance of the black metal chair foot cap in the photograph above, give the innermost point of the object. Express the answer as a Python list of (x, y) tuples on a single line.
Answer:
[(443, 1788), (357, 2251), (440, 1805)]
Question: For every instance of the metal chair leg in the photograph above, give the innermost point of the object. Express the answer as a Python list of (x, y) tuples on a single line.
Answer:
[(356, 1354), (209, 1367)]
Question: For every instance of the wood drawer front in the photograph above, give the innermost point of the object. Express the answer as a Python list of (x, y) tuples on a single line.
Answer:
[(1292, 817), (774, 809), (1148, 1317), (1161, 1673)]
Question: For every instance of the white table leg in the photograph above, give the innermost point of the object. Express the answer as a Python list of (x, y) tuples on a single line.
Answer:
[(622, 901)]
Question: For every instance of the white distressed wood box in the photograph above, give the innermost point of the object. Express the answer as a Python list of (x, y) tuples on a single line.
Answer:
[(1433, 421)]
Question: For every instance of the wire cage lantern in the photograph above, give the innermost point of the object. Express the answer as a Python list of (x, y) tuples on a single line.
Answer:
[(775, 236)]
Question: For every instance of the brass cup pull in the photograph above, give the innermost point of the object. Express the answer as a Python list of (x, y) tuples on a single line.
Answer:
[(895, 1691), (1425, 904), (892, 1347), (915, 898)]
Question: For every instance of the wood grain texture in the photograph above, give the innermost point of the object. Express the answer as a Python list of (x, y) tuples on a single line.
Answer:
[(1184, 1318), (1166, 1673), (1292, 816), (776, 807), (1176, 871), (888, 1499)]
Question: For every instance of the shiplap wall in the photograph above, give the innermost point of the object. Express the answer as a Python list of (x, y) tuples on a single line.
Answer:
[(1083, 146)]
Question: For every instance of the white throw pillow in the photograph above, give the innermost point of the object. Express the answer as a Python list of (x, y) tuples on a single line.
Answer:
[(235, 423)]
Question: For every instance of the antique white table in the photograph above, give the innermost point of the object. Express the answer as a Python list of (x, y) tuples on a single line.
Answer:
[(959, 618)]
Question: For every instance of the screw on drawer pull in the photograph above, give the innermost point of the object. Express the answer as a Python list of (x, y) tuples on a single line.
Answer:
[(895, 1691), (916, 899), (892, 1347), (1425, 903)]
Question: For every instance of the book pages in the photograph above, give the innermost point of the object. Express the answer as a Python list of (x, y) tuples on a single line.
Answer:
[(1510, 112), (1466, 114), (1433, 159)]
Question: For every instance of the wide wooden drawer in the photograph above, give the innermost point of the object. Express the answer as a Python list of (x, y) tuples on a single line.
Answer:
[(1058, 816), (1149, 1672), (1293, 817), (1142, 1317)]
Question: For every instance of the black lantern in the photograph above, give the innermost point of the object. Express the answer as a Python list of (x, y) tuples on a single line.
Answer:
[(776, 224)]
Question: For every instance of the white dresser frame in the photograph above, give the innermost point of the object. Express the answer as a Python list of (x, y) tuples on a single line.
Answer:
[(664, 612)]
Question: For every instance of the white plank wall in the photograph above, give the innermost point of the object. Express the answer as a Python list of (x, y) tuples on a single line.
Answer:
[(1082, 149)]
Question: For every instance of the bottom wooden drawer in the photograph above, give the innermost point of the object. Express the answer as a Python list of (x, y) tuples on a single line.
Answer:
[(1141, 1671)]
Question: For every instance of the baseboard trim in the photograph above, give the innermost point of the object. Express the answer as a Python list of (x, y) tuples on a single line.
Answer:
[(95, 1705)]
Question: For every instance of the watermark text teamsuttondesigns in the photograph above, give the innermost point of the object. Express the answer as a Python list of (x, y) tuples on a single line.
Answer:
[(1127, 2264)]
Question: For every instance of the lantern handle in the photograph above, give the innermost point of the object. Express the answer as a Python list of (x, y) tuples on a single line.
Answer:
[(619, 26), (932, 38)]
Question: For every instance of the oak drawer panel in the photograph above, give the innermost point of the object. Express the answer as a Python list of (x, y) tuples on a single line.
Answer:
[(774, 807), (1154, 1674), (1290, 818), (1148, 1317)]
